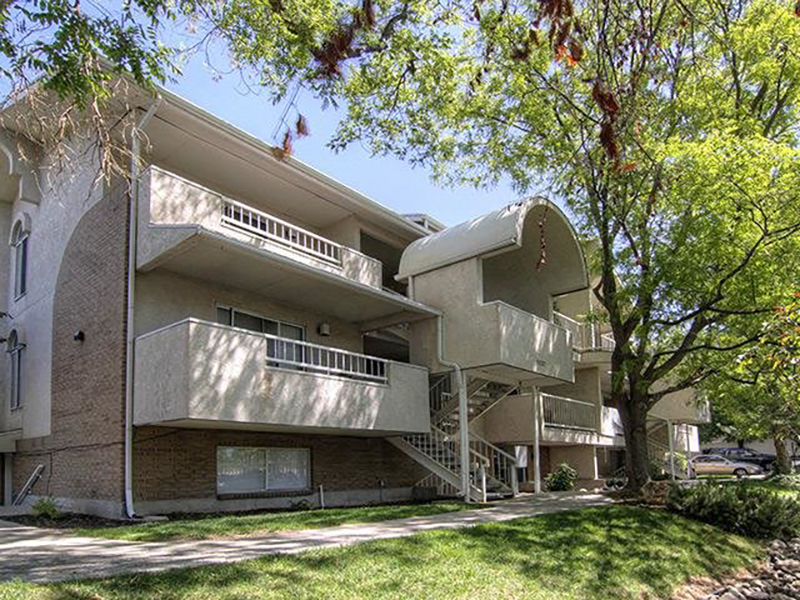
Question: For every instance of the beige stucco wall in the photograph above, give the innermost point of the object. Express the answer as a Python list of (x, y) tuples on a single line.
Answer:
[(173, 209), (219, 374), (581, 458), (680, 407), (66, 193), (477, 334), (164, 298)]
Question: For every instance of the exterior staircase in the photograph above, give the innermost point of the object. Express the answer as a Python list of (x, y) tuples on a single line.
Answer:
[(493, 472), (659, 451)]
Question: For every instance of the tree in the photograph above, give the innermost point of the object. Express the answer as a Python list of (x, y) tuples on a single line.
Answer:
[(669, 128), (61, 60), (757, 396)]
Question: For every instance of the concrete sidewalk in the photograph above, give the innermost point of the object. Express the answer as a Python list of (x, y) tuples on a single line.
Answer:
[(46, 555)]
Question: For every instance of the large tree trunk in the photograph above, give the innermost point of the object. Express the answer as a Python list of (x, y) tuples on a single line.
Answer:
[(633, 413), (783, 464)]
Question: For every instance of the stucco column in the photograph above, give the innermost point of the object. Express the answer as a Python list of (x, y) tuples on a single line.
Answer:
[(537, 472), (8, 496)]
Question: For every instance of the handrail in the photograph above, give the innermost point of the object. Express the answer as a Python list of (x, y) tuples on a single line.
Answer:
[(314, 357), (496, 449), (241, 216)]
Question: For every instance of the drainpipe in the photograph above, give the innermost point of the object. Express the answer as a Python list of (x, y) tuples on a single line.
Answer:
[(463, 407), (132, 236)]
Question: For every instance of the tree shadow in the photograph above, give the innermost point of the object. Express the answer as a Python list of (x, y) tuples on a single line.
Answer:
[(598, 553)]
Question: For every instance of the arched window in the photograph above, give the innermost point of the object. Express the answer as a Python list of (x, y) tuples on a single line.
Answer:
[(14, 349), (19, 242)]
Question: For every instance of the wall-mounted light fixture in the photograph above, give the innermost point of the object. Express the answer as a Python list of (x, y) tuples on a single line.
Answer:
[(79, 336), (324, 329)]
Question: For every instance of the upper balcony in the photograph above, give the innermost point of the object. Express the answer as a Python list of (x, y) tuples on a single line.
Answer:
[(169, 203), (215, 376), (586, 337), (192, 230), (495, 286)]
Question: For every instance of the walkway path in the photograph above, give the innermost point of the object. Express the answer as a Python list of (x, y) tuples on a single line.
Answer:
[(46, 555)]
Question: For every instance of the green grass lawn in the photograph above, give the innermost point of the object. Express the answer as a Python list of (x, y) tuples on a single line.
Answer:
[(199, 527), (620, 552)]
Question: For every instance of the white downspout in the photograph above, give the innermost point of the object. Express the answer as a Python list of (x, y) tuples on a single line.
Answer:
[(132, 237), (463, 407)]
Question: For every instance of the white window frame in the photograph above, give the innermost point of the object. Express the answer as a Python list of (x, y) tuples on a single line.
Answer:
[(279, 322), (266, 488), (14, 349), (19, 242)]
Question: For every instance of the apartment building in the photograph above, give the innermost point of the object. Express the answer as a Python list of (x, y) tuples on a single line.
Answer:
[(225, 329)]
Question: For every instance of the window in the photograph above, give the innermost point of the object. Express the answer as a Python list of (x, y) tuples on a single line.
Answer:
[(14, 348), (253, 322), (19, 242), (244, 470), (287, 354)]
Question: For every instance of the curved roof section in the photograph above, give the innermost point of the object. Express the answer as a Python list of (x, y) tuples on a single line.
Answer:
[(491, 233)]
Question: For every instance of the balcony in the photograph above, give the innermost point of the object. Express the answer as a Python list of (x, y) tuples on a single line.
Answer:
[(200, 233), (172, 207), (568, 413), (586, 337), (214, 376)]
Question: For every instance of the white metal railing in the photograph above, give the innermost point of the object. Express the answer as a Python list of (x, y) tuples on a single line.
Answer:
[(439, 446), (569, 413), (443, 488), (500, 465), (263, 225), (294, 354), (440, 394), (585, 336)]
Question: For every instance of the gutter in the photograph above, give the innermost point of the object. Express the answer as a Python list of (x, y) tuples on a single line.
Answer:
[(129, 343)]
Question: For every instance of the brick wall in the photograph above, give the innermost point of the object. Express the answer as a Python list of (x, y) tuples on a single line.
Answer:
[(170, 464), (83, 455)]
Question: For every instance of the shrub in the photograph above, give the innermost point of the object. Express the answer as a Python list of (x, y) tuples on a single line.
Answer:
[(742, 509), (562, 479), (46, 508), (787, 482)]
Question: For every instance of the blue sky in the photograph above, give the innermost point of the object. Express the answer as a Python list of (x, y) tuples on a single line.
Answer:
[(387, 180)]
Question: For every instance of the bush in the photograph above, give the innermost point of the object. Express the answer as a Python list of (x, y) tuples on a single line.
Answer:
[(787, 482), (46, 508), (562, 479), (742, 509)]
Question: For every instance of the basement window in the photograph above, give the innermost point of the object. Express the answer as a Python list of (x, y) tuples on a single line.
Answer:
[(249, 470)]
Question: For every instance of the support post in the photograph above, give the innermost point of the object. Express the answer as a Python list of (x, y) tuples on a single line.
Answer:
[(537, 424), (484, 496), (671, 436), (8, 496), (463, 426)]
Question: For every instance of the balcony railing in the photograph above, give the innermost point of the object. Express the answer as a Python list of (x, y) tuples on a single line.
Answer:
[(263, 225), (568, 413), (585, 336), (303, 356)]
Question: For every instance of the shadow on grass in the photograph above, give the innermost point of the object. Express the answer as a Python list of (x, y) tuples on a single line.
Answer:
[(600, 553), (222, 526)]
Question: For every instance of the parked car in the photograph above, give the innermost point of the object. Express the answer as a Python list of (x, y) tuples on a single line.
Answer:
[(746, 455), (714, 464)]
